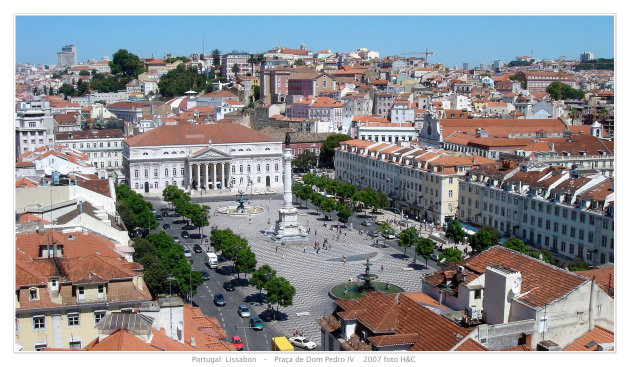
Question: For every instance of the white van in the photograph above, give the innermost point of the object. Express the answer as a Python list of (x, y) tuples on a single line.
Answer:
[(211, 260)]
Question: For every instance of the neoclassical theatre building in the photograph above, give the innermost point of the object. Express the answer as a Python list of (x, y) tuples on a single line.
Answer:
[(220, 156)]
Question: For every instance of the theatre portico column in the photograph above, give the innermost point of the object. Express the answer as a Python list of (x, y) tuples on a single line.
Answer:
[(214, 176), (190, 175), (198, 177)]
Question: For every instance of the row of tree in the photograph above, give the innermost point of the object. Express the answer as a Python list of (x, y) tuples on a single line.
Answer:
[(487, 237), (180, 201), (235, 248), (134, 211), (182, 79), (326, 204), (166, 269)]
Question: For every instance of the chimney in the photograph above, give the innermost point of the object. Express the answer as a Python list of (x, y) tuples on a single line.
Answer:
[(80, 207), (54, 249)]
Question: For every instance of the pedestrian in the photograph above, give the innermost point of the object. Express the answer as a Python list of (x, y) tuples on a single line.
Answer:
[(304, 249), (382, 268), (283, 256), (315, 232), (318, 250), (345, 234), (276, 248)]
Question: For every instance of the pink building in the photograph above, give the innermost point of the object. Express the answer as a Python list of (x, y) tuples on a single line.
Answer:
[(321, 109)]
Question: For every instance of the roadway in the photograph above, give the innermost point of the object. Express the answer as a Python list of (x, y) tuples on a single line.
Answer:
[(233, 324)]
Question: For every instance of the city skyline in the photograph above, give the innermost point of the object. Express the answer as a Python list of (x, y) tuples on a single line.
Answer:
[(498, 37)]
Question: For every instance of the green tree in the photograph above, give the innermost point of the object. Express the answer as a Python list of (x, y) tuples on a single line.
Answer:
[(382, 201), (67, 90), (256, 92), (455, 232), (516, 245), (452, 254), (84, 73), (519, 79), (424, 248), (299, 62), (305, 161), (295, 189), (408, 238), (327, 205), (127, 64), (182, 79), (578, 265), (563, 91), (261, 277), (305, 193), (216, 58), (345, 191), (199, 216), (317, 199), (547, 256), (603, 114), (327, 151), (573, 114), (280, 292), (126, 214), (343, 212), (145, 219), (484, 238), (115, 124), (245, 262), (236, 69)]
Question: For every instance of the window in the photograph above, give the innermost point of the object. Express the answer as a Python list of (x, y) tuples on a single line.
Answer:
[(258, 168), (75, 344), (146, 173), (604, 241), (581, 234), (182, 173), (450, 193), (40, 346), (175, 172), (166, 172), (276, 167), (39, 322), (267, 168), (101, 288), (98, 316), (591, 220), (155, 172), (477, 293), (564, 229), (450, 180), (276, 178), (590, 237), (571, 248), (155, 185), (32, 294), (572, 232), (73, 319)]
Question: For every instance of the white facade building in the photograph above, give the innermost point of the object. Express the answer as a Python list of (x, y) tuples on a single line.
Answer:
[(34, 126), (203, 157)]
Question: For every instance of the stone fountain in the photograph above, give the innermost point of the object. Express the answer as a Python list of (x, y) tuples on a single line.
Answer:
[(366, 283), (241, 208)]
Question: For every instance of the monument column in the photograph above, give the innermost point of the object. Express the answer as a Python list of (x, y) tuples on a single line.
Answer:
[(287, 227)]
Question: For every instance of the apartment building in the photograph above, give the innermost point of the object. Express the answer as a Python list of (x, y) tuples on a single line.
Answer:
[(421, 180), (34, 126), (103, 147), (65, 284), (554, 208), (517, 300), (235, 58)]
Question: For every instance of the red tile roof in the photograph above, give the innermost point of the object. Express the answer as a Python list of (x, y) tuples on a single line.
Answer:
[(604, 277), (471, 346), (197, 134), (591, 340), (542, 283)]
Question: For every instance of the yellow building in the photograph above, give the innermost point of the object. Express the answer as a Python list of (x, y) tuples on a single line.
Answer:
[(65, 284)]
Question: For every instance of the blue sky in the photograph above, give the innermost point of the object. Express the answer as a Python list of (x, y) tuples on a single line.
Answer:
[(454, 39)]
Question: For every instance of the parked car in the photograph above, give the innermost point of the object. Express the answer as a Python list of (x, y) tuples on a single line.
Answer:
[(237, 342), (373, 233), (389, 236), (302, 342), (219, 300), (175, 239), (189, 227), (205, 275), (166, 226), (380, 221), (255, 323), (243, 311), (165, 214), (228, 286), (158, 217), (187, 252), (153, 210), (366, 223), (435, 257), (185, 234), (257, 192), (197, 249)]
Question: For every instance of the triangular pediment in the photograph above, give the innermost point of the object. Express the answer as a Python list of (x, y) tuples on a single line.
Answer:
[(209, 153)]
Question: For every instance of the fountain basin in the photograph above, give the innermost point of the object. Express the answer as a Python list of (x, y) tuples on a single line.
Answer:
[(355, 289), (234, 210)]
